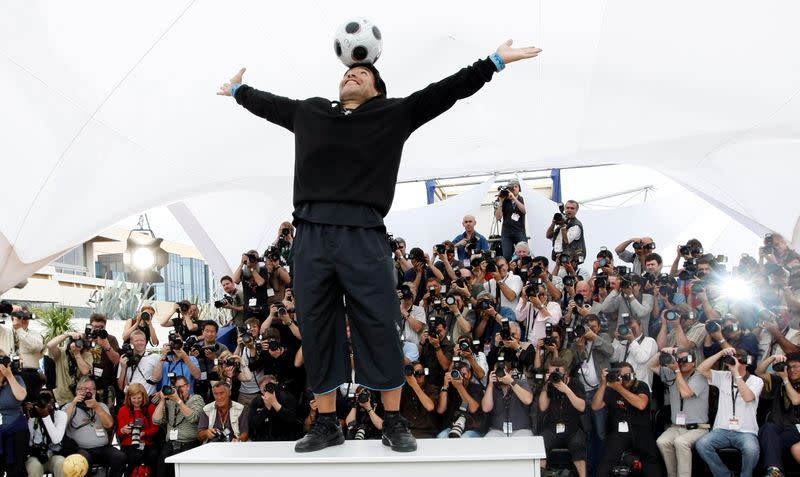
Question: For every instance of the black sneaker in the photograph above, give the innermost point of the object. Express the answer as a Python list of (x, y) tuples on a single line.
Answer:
[(324, 432), (397, 436)]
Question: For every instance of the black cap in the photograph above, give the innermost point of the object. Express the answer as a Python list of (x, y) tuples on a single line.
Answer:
[(379, 84)]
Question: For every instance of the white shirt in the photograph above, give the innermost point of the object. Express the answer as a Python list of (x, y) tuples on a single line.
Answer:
[(573, 234), (55, 424), (538, 321), (408, 333), (745, 411), (513, 282), (141, 373), (638, 354)]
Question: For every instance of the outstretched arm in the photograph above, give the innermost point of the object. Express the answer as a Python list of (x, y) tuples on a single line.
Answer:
[(275, 109)]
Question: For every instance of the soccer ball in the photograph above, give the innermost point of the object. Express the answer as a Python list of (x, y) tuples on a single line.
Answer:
[(75, 465), (357, 41)]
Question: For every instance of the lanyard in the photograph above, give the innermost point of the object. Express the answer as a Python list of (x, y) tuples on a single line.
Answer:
[(223, 417), (736, 394), (687, 383), (175, 422)]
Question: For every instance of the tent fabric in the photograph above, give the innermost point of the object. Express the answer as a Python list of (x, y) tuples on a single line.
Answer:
[(110, 108)]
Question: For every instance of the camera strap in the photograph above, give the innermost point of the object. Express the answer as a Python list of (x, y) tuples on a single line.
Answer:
[(38, 424)]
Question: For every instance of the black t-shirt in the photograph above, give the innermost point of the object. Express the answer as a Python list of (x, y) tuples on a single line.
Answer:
[(429, 360), (474, 421), (260, 293), (561, 410), (509, 212), (620, 409), (784, 413)]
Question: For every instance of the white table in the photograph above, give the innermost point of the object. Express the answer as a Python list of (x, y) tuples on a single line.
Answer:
[(497, 456)]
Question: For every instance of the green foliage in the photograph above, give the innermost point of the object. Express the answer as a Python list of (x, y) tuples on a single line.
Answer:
[(119, 301), (55, 320)]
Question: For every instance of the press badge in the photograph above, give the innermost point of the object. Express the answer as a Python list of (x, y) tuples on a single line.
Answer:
[(515, 216), (560, 428), (100, 432), (680, 418), (733, 423), (270, 292), (252, 302), (507, 428), (98, 372), (623, 426), (203, 376), (173, 435)]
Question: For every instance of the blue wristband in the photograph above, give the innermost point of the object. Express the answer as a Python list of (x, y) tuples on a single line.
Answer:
[(234, 87), (498, 61)]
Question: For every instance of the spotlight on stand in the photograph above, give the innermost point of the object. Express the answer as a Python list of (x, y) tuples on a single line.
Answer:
[(144, 257)]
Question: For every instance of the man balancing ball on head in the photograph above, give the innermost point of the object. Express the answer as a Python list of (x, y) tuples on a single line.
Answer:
[(347, 155)]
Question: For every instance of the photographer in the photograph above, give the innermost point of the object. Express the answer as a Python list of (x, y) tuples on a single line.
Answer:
[(504, 286), (627, 400), (630, 300), (421, 272), (177, 363), (273, 415), (206, 351), (143, 321), (105, 358), (233, 301), (693, 250), (459, 319), (688, 400), (447, 264), (580, 304), (248, 347), (136, 366), (686, 332), (283, 320), (550, 348), (28, 345), (14, 433), (401, 263), (46, 426), (592, 350), (89, 422), (412, 316), (781, 389), (567, 234), (363, 421), (459, 403), (285, 242), (510, 209), (561, 405), (223, 420), (178, 410), (278, 360), (665, 297), (136, 430), (470, 241), (704, 295), (776, 250), (535, 311), (735, 424), (473, 353), (728, 333), (490, 317), (437, 350), (641, 247), (633, 346), (72, 361), (507, 403), (417, 402), (187, 323), (539, 269), (232, 370)]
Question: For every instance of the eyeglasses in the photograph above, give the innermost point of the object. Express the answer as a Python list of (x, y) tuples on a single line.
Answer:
[(419, 372)]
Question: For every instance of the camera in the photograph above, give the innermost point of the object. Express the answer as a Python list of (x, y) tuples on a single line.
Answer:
[(569, 281), (167, 390), (136, 432), (779, 367), (728, 360), (357, 433), (503, 192), (226, 300), (393, 244), (270, 388), (686, 359), (531, 291), (537, 271), (671, 315), (698, 287), (450, 300), (127, 351), (558, 218), (713, 326), (601, 281), (273, 344), (12, 362), (556, 377), (623, 330), (579, 299), (455, 374), (550, 341), (464, 346), (93, 334), (441, 248), (183, 306), (769, 245), (222, 435), (146, 316), (613, 376), (459, 423), (408, 370), (252, 257), (364, 396), (483, 305), (665, 359), (505, 329), (432, 328), (564, 258)]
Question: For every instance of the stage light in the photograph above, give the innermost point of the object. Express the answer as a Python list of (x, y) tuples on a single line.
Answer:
[(144, 257)]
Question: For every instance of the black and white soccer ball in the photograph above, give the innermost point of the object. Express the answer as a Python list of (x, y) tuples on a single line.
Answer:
[(358, 41)]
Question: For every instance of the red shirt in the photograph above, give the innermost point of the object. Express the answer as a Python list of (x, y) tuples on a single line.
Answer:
[(149, 430)]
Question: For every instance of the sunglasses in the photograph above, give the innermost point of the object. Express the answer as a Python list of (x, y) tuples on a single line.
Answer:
[(419, 372)]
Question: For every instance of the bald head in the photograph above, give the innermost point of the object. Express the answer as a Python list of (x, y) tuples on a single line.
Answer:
[(469, 223)]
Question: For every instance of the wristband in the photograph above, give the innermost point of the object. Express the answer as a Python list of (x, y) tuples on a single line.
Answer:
[(499, 64), (786, 382), (235, 87), (444, 389)]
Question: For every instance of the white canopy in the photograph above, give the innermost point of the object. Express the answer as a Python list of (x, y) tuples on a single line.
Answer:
[(110, 108)]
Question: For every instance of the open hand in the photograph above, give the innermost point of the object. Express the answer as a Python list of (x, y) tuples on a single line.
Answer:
[(225, 89)]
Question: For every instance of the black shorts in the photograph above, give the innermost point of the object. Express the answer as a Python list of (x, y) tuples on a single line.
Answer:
[(342, 270)]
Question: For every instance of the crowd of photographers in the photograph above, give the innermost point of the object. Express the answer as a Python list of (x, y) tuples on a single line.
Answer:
[(621, 363)]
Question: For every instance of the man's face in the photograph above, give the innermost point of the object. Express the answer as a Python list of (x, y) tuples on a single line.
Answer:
[(625, 370), (98, 325), (570, 210), (183, 389), (253, 329), (401, 246), (451, 254), (139, 343), (194, 311), (635, 327), (466, 275), (686, 367), (222, 396), (728, 330), (229, 287), (87, 387), (647, 246), (793, 369), (523, 252), (583, 288), (21, 323), (705, 268), (441, 330), (468, 223), (209, 334), (652, 266), (358, 84), (502, 266), (594, 325), (780, 245)]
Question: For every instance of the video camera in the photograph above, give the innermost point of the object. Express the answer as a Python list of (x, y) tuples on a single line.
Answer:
[(226, 300)]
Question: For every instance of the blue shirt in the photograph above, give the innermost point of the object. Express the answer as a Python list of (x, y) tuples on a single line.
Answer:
[(493, 327), (179, 369), (483, 244)]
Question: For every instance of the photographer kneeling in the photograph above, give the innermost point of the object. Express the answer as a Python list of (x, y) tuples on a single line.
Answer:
[(507, 403), (417, 402), (460, 403), (561, 405), (136, 429), (273, 416), (179, 411), (363, 421), (223, 420), (46, 425)]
